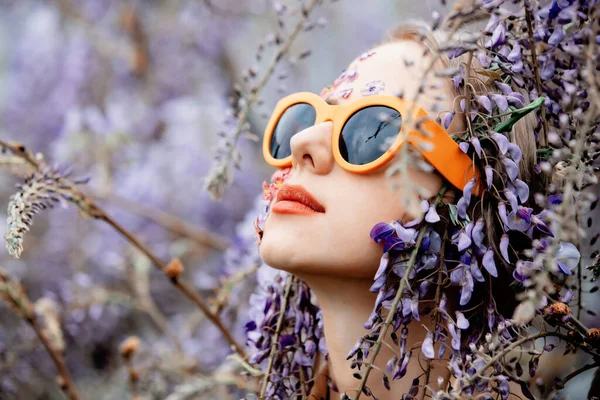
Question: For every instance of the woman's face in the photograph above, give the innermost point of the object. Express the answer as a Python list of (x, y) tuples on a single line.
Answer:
[(338, 242)]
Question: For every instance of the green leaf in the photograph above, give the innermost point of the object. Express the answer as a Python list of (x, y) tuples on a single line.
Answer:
[(507, 125)]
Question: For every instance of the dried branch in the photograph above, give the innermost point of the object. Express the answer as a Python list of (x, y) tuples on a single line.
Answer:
[(536, 71), (14, 295), (169, 221)]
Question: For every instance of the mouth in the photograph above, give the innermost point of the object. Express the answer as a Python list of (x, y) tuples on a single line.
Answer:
[(294, 199)]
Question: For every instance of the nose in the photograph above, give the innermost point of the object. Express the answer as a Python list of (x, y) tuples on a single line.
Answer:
[(311, 149)]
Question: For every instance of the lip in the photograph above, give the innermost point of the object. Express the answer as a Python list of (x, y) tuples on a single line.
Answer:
[(294, 199)]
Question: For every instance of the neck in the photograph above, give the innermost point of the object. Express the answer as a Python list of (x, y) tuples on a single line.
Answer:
[(347, 304)]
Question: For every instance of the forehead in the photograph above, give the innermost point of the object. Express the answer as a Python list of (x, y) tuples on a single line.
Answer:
[(390, 69)]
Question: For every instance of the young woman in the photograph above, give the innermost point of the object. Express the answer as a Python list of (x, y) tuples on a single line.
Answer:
[(327, 223)]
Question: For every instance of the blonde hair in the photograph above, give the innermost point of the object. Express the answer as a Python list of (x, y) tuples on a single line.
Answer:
[(522, 133)]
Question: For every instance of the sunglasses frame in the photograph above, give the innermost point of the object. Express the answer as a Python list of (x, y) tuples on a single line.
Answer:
[(446, 156)]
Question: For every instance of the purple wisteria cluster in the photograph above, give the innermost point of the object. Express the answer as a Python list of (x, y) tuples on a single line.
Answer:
[(285, 333)]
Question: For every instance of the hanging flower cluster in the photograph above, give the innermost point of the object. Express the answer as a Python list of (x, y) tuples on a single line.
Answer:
[(40, 190), (285, 331)]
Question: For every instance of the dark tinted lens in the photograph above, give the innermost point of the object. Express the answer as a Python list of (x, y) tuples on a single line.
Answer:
[(293, 120), (368, 133)]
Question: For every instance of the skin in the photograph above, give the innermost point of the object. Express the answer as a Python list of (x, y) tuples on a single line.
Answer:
[(333, 251)]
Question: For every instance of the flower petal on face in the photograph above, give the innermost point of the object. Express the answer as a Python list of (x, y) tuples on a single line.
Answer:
[(504, 247), (380, 231), (432, 215), (366, 55), (372, 88), (427, 346), (464, 147), (461, 321), (351, 74), (345, 93), (489, 263)]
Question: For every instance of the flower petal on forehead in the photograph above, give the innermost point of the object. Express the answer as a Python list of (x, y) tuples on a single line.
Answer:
[(325, 91), (340, 79), (366, 55), (351, 74), (344, 93), (373, 88)]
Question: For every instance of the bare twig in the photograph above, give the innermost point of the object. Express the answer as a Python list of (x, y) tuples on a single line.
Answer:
[(15, 295), (536, 70), (169, 221)]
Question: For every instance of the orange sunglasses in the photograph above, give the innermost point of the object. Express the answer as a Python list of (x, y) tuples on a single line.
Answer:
[(362, 132)]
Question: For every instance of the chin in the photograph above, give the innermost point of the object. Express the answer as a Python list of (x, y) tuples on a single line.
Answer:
[(284, 249), (300, 252)]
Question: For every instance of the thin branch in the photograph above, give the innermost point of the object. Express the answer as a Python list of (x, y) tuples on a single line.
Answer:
[(536, 71), (23, 307), (403, 283), (436, 312), (170, 222), (87, 205), (561, 384)]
